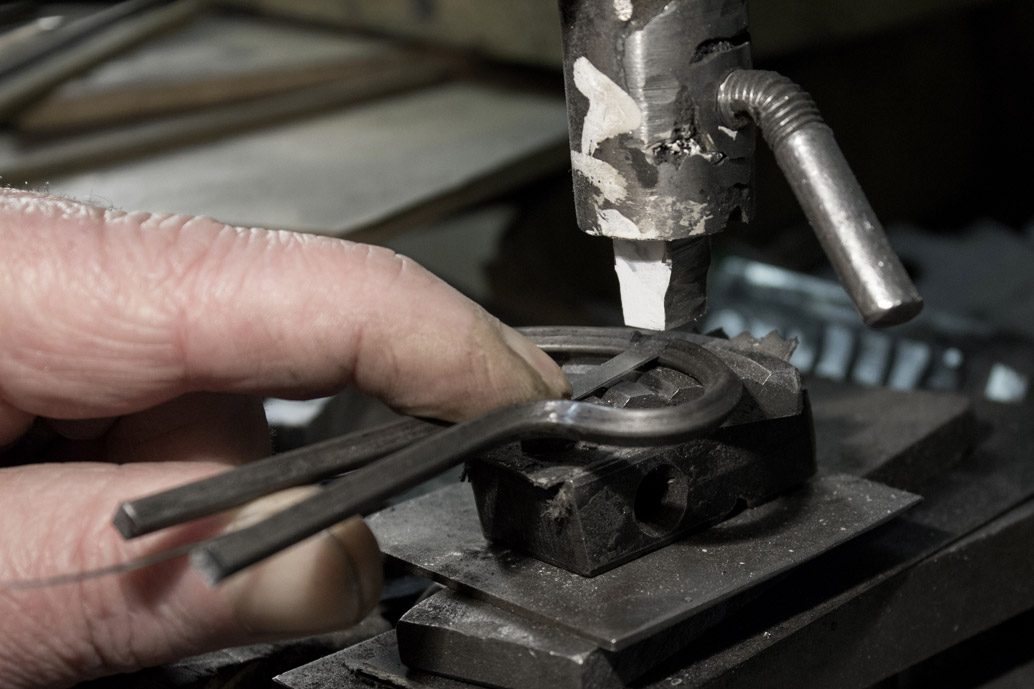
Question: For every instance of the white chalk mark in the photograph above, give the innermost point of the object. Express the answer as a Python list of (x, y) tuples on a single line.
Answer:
[(623, 9), (644, 274), (611, 110), (731, 133), (614, 224)]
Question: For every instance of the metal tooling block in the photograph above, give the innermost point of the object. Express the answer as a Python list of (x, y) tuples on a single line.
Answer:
[(589, 508), (438, 536), (482, 643), (800, 610), (452, 635)]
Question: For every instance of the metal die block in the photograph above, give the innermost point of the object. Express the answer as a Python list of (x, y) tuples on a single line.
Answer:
[(589, 508)]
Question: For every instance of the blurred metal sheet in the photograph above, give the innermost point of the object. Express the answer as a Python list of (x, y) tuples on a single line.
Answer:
[(407, 159)]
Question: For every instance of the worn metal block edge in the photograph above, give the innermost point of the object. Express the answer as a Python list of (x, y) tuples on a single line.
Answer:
[(371, 664)]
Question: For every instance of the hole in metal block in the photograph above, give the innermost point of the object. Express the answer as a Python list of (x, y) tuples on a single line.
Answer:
[(660, 500)]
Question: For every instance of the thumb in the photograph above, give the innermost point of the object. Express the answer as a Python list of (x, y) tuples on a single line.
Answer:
[(59, 635)]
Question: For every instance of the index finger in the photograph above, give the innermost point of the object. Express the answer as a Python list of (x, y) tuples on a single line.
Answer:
[(106, 313)]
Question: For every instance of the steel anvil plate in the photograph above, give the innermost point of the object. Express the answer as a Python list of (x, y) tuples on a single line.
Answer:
[(439, 536)]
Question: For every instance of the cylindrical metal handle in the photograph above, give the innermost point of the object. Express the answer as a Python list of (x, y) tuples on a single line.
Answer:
[(833, 201)]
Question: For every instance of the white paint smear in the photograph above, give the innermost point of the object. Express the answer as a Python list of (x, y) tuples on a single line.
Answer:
[(691, 214), (644, 275), (614, 224), (623, 9), (603, 176), (611, 110)]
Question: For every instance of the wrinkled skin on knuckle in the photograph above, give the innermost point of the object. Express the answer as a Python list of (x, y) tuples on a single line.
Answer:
[(88, 304), (425, 349), (276, 315)]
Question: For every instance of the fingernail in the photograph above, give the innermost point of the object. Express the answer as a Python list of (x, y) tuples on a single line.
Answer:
[(327, 582), (83, 429), (543, 364), (14, 423)]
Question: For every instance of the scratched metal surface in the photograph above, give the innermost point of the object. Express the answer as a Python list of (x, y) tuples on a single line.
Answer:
[(936, 604), (439, 536), (371, 664)]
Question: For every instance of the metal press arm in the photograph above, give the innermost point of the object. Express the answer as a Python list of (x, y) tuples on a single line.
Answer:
[(659, 96), (833, 201)]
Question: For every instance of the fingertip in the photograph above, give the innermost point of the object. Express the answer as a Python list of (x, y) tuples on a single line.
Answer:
[(361, 552), (552, 377), (14, 423), (327, 582)]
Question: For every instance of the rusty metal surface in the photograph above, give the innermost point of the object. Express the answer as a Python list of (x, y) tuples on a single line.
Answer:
[(439, 536)]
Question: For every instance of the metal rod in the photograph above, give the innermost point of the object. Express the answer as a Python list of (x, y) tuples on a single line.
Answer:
[(832, 199), (46, 45), (359, 492), (642, 352), (76, 47), (286, 470)]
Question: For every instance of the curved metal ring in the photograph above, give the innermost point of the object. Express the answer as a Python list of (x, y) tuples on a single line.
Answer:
[(643, 427)]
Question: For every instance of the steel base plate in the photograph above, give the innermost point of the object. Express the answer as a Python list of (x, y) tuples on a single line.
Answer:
[(372, 664), (439, 536)]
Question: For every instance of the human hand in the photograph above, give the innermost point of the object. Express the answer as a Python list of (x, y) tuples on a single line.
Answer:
[(143, 342)]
